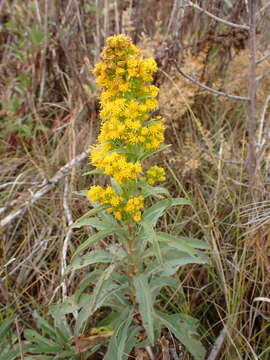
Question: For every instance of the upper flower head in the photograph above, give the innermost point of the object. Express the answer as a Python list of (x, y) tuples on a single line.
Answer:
[(127, 130)]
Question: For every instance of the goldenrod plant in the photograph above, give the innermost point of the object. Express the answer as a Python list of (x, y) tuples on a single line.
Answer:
[(137, 261), (133, 262)]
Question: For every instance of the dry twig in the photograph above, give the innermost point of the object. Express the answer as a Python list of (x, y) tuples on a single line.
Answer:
[(223, 21), (49, 185), (204, 87), (263, 58), (67, 237), (217, 345)]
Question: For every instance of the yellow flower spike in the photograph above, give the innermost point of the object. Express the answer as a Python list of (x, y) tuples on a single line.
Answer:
[(126, 100)]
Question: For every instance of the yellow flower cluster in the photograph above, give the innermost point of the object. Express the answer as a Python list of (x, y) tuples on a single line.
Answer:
[(155, 174), (127, 131), (121, 208), (104, 196), (116, 165), (134, 206), (128, 97)]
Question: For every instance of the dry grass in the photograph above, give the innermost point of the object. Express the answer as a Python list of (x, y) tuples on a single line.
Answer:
[(48, 116)]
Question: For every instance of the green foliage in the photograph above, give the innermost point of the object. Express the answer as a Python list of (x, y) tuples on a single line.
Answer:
[(128, 283), (159, 255), (9, 347), (184, 327), (50, 342), (146, 306), (124, 337)]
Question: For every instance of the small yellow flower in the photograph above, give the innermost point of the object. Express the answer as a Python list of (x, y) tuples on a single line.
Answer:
[(137, 217), (155, 174), (118, 215)]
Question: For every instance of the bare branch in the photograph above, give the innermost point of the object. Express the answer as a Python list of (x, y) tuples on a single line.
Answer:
[(204, 87), (228, 23), (67, 238), (262, 59), (217, 345), (51, 183), (261, 140)]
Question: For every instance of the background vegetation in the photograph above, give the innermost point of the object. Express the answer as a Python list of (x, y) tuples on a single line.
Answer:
[(49, 119)]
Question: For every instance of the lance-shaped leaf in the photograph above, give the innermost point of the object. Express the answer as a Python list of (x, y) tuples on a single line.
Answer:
[(172, 260), (93, 239), (97, 256), (93, 221), (104, 288), (145, 301), (177, 243), (43, 345), (121, 342), (184, 328), (148, 190), (150, 235), (195, 243), (152, 214), (5, 327), (157, 283)]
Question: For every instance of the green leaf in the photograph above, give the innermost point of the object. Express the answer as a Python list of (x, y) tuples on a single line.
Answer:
[(131, 341), (184, 328), (61, 324), (102, 290), (177, 243), (150, 235), (92, 212), (97, 256), (91, 172), (157, 283), (93, 239), (148, 190), (147, 154), (103, 287), (120, 342), (37, 36), (108, 219), (44, 325), (144, 299), (195, 243), (42, 343), (95, 222), (87, 281), (152, 214), (5, 327), (172, 260), (8, 354), (117, 188), (179, 201), (68, 306)]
